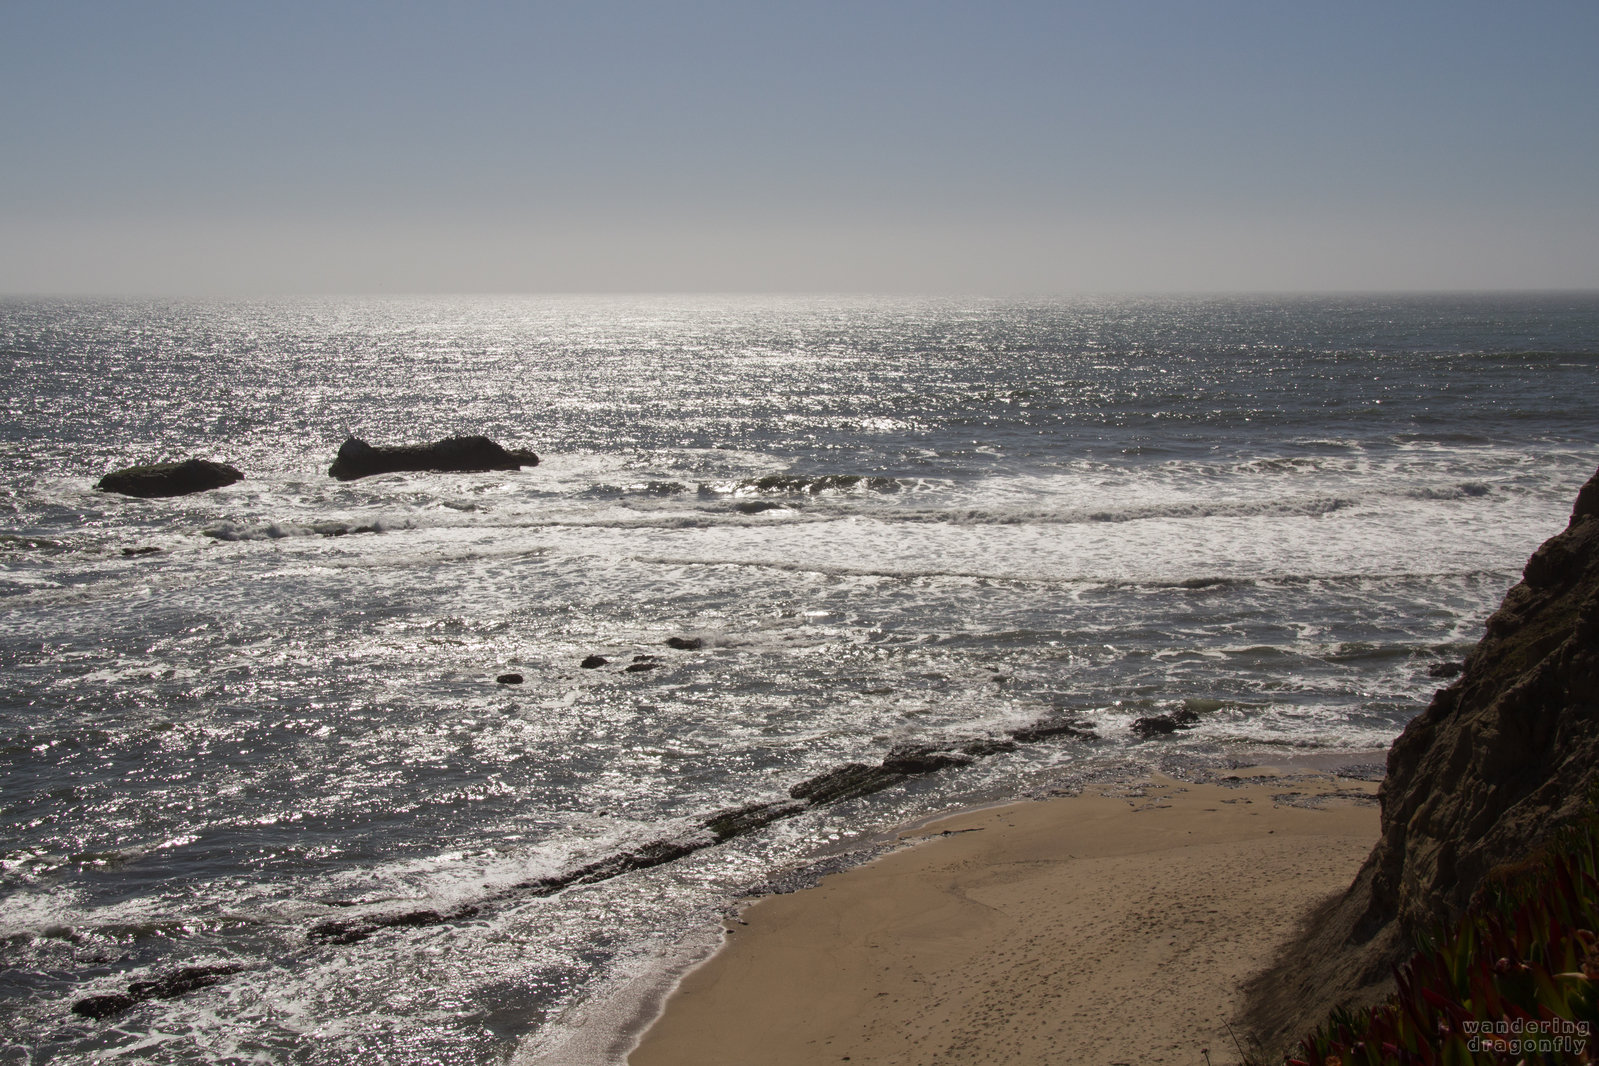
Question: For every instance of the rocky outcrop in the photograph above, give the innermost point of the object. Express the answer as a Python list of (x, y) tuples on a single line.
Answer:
[(173, 985), (1497, 761), (358, 459), (169, 479)]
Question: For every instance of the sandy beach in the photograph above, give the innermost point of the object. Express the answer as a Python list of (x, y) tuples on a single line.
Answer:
[(1111, 927)]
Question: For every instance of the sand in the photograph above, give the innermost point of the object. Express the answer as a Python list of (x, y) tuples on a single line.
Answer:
[(1112, 927)]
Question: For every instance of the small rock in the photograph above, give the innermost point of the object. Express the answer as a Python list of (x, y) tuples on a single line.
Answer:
[(594, 662), (1158, 725), (685, 643), (640, 667), (141, 551), (169, 479), (509, 679)]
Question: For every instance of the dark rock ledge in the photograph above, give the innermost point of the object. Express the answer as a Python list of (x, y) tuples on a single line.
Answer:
[(173, 985), (358, 459), (169, 479)]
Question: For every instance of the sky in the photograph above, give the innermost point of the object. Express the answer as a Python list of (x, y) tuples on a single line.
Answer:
[(997, 148)]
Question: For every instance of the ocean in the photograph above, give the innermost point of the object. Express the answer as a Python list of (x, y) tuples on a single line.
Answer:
[(254, 738)]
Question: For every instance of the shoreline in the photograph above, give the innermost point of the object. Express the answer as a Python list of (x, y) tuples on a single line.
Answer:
[(908, 957)]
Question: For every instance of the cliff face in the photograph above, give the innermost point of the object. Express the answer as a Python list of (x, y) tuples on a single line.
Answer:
[(1497, 760)]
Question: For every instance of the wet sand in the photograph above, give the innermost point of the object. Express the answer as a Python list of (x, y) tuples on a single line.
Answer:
[(1111, 927)]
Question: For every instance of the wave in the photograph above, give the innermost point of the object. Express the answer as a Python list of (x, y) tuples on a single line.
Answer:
[(17, 544), (782, 500), (797, 485), (607, 491), (1207, 583)]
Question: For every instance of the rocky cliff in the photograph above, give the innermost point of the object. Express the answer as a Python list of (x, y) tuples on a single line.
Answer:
[(1498, 759)]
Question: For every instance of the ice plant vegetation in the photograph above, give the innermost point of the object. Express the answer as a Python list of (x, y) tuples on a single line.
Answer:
[(1516, 981)]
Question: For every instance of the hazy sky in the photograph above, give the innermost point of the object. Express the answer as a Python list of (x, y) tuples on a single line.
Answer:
[(971, 147)]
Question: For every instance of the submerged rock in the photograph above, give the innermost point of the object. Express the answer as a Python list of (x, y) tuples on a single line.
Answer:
[(358, 459), (1161, 724), (171, 986), (1045, 728), (108, 1005), (169, 479), (912, 759), (355, 930), (849, 781), (685, 643), (986, 746), (594, 662), (740, 820)]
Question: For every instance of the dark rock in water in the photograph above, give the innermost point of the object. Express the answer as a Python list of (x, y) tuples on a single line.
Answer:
[(355, 930), (104, 1006), (986, 746), (911, 759), (169, 479), (1162, 724), (847, 782), (173, 985), (740, 820), (141, 551), (685, 643), (1154, 726), (645, 658), (904, 761), (1499, 761), (655, 853), (358, 459), (339, 529), (594, 662), (509, 679), (183, 981), (1045, 728), (640, 667), (1445, 670)]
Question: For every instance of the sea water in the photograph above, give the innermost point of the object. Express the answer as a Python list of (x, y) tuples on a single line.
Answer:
[(234, 719)]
